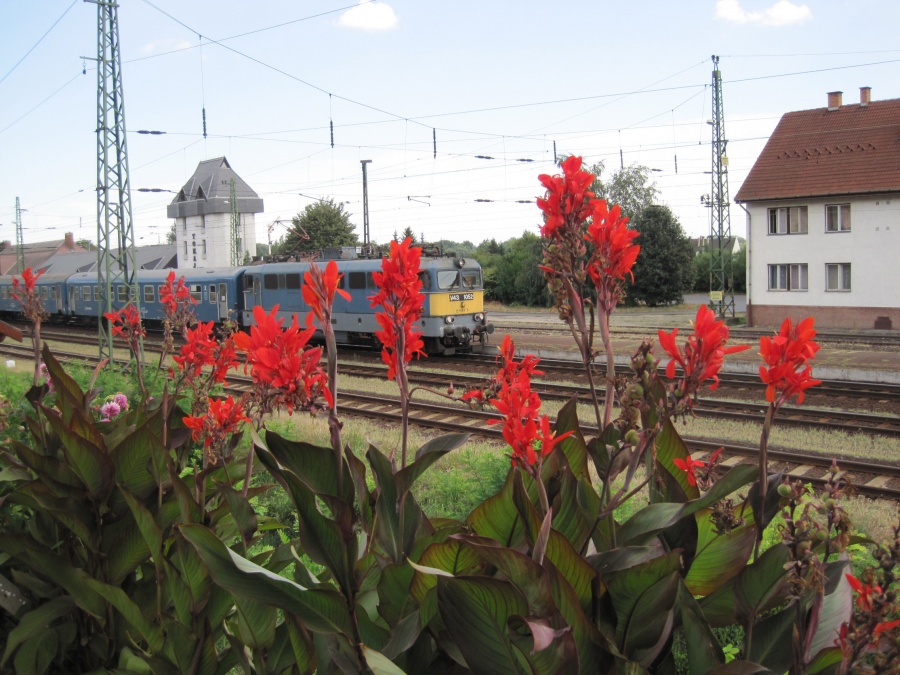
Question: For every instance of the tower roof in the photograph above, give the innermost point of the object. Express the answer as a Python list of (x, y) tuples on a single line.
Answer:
[(209, 191)]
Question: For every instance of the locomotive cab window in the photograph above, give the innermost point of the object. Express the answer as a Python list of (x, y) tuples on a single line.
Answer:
[(447, 279), (292, 281), (357, 280), (370, 281), (425, 278), (471, 279), (270, 282)]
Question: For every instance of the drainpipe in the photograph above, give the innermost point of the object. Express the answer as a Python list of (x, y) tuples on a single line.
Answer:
[(748, 276)]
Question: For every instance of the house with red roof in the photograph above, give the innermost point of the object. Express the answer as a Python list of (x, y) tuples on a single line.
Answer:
[(823, 217)]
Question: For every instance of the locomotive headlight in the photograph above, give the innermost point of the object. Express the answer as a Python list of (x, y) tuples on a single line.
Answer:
[(449, 319), (478, 317)]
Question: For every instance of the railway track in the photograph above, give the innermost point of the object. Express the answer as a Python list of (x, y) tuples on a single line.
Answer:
[(874, 479)]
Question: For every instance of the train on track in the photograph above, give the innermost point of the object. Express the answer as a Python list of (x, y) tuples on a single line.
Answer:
[(453, 319)]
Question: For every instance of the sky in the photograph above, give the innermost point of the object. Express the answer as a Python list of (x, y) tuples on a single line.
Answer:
[(458, 105)]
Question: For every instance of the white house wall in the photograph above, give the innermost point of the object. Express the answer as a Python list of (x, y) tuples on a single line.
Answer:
[(869, 247), (215, 231)]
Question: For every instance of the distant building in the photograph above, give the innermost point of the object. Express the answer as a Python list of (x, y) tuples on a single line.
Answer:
[(203, 211), (37, 254), (731, 245), (822, 227)]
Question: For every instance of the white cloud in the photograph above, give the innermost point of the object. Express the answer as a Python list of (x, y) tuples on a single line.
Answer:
[(369, 16), (165, 45), (782, 13)]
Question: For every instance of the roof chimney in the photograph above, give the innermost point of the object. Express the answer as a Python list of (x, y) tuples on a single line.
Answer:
[(834, 99), (70, 241), (865, 96)]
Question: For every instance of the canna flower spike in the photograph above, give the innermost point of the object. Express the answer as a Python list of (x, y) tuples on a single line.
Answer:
[(787, 355)]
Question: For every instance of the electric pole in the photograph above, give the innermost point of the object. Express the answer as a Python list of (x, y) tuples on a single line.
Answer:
[(20, 239), (236, 257), (721, 291), (116, 261), (365, 206)]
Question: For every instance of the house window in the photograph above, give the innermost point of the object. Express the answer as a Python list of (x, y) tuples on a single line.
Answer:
[(837, 277), (788, 277), (185, 248), (837, 217), (149, 295), (204, 247), (788, 220)]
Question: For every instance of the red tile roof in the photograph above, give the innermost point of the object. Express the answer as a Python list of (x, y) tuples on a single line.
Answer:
[(818, 153)]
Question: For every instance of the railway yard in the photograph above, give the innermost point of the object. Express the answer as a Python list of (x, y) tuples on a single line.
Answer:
[(855, 409)]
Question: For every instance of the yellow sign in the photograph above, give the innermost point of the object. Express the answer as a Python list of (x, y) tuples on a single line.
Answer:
[(715, 296)]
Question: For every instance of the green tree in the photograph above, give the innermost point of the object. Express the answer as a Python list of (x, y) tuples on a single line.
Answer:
[(171, 237), (408, 233), (663, 271), (630, 187), (737, 263), (326, 225), (518, 279)]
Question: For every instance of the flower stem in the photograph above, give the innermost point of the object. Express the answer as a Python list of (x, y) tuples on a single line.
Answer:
[(610, 370), (763, 474)]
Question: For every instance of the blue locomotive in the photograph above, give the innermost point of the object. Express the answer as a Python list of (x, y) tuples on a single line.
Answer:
[(453, 318)]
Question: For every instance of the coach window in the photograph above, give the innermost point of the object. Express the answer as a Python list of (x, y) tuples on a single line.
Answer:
[(292, 281), (44, 294), (447, 279), (212, 294), (197, 292), (121, 294), (3, 292), (270, 282), (357, 280), (86, 293), (149, 295), (97, 293)]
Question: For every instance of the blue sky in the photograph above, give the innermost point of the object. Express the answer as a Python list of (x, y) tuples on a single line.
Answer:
[(625, 81)]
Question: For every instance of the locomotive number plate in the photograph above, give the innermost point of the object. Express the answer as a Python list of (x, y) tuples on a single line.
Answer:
[(456, 297)]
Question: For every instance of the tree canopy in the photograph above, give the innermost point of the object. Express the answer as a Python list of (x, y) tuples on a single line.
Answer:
[(664, 268), (630, 187), (326, 224)]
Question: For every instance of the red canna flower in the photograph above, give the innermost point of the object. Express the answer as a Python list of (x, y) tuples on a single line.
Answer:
[(688, 465), (703, 355), (201, 349), (525, 430), (175, 295), (567, 199), (279, 360), (883, 628), (319, 289), (864, 592), (787, 356), (25, 291), (614, 255), (401, 298), (223, 418), (126, 324)]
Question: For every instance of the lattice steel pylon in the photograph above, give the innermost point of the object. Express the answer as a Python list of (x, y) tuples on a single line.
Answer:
[(236, 243), (116, 260), (721, 287), (20, 240)]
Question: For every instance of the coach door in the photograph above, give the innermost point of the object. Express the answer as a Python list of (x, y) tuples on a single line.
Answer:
[(73, 297), (223, 302)]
